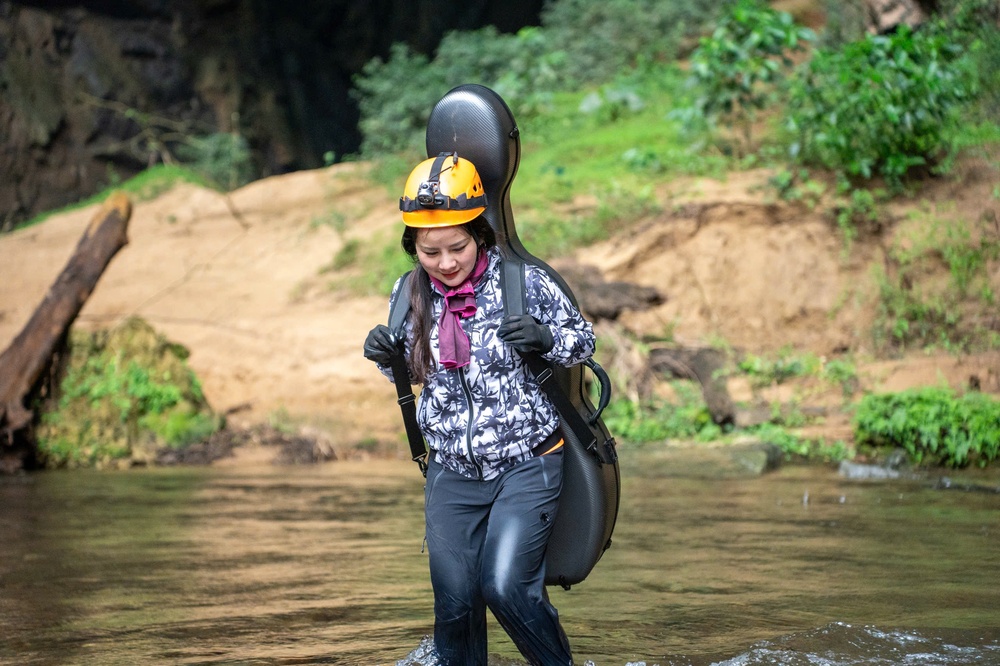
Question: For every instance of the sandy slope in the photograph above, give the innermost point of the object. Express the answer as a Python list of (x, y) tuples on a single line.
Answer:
[(242, 292), (239, 283)]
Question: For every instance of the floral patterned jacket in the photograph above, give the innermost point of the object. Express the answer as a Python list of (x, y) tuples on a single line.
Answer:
[(484, 418)]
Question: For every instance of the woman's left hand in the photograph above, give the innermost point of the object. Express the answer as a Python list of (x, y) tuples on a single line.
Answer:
[(525, 334)]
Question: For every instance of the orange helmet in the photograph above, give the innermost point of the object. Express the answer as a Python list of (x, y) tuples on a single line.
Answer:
[(441, 192)]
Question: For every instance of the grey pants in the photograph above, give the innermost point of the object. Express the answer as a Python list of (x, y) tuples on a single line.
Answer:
[(487, 549)]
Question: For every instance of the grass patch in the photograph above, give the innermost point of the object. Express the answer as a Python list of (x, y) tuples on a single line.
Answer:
[(145, 186)]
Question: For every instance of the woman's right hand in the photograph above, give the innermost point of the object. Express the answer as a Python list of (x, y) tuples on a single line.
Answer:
[(381, 345)]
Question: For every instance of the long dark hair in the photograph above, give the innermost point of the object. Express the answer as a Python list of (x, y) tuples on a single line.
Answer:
[(421, 358)]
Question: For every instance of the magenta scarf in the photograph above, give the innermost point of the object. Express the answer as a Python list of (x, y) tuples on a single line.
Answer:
[(459, 303)]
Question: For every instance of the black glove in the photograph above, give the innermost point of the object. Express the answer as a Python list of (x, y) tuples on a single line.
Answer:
[(525, 334), (381, 345)]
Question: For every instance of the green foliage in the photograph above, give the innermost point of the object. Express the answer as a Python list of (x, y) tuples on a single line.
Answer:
[(223, 158), (580, 42), (797, 185), (975, 26), (881, 105), (738, 67), (395, 96), (124, 393), (346, 256), (933, 425), (180, 427), (382, 261), (612, 103), (966, 257), (145, 186), (986, 59), (858, 211), (914, 312), (600, 39), (689, 419), (907, 316), (659, 420), (767, 372), (616, 208), (842, 372), (795, 447)]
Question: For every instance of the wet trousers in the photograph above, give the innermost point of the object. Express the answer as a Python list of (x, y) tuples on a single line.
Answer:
[(487, 541)]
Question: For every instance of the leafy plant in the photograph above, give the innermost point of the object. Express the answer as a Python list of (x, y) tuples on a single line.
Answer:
[(913, 310), (658, 420), (125, 393), (612, 103), (224, 158), (766, 372), (965, 256), (881, 105), (907, 316), (602, 38), (395, 96), (858, 211), (798, 185), (933, 425), (738, 67), (794, 446), (842, 372)]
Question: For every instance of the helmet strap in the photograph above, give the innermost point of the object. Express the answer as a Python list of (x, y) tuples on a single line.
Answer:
[(437, 168)]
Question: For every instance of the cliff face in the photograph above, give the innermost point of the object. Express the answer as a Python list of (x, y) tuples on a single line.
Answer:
[(93, 91)]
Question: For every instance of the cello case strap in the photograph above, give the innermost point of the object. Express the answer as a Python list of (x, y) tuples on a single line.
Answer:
[(401, 376), (514, 290)]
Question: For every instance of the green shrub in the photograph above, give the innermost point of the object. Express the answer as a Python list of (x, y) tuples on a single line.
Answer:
[(658, 420), (600, 39), (793, 446), (856, 211), (932, 424), (914, 310), (766, 372), (975, 25), (739, 66), (580, 42), (223, 158), (907, 315), (842, 372), (395, 96), (879, 106), (125, 393)]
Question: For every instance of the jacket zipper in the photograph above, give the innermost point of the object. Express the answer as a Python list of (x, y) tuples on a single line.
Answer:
[(468, 425)]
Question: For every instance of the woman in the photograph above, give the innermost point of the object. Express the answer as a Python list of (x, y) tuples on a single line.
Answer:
[(495, 471)]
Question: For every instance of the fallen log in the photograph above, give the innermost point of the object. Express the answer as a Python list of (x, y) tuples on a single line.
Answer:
[(600, 299), (25, 364), (701, 364)]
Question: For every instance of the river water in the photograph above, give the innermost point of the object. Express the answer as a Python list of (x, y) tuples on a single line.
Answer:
[(324, 565)]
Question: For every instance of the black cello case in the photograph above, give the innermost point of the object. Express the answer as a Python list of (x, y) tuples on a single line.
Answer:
[(475, 122)]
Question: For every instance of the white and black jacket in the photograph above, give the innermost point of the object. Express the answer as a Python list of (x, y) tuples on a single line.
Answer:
[(484, 418)]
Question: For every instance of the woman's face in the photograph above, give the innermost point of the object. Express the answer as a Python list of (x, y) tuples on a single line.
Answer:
[(446, 253)]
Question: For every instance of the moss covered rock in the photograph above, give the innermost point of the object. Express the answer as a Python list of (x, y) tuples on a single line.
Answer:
[(126, 393)]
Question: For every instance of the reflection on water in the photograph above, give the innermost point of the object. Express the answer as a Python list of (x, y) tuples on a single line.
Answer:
[(324, 565)]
